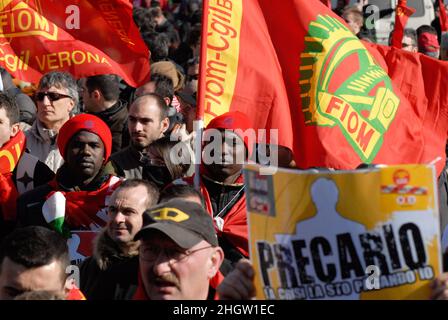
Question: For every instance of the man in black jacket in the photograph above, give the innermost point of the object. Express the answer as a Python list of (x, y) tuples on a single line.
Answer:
[(100, 95), (111, 273)]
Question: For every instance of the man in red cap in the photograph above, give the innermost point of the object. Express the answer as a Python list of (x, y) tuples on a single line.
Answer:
[(75, 200), (227, 146)]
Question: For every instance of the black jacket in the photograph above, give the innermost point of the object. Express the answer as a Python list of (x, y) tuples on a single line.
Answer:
[(28, 174), (116, 117), (109, 274)]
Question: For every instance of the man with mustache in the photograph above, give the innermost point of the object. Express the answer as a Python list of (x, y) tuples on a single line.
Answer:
[(75, 201), (179, 253), (147, 122), (111, 273)]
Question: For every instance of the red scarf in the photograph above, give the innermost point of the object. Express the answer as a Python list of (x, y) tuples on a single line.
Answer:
[(10, 155), (82, 207), (235, 221)]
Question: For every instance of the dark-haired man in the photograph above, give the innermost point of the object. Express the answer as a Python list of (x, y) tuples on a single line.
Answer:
[(100, 95), (111, 273), (33, 259), (147, 122)]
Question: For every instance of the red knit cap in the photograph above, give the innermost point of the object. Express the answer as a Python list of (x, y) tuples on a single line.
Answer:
[(232, 121), (86, 122)]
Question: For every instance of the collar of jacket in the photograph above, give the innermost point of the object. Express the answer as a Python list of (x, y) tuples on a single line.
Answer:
[(42, 134), (137, 155), (106, 251), (238, 183), (111, 112)]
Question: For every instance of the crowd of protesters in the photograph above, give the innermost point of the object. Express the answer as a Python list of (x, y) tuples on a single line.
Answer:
[(97, 155)]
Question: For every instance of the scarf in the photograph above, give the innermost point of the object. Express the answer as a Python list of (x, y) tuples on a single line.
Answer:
[(10, 155), (66, 210)]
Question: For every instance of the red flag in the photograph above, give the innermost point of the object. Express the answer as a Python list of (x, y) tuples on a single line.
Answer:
[(442, 17), (239, 68), (402, 14), (344, 106), (83, 37)]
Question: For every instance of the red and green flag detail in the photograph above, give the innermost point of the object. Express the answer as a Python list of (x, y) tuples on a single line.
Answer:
[(336, 101)]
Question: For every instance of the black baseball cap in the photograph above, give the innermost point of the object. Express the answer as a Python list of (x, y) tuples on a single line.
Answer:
[(184, 222)]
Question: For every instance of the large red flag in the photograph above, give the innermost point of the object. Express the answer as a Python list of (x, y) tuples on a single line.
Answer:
[(83, 37), (402, 14), (240, 68), (345, 107)]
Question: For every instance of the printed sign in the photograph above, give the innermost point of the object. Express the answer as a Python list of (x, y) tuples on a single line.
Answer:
[(365, 234)]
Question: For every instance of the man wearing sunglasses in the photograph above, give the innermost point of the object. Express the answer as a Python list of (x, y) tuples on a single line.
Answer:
[(56, 97), (179, 253)]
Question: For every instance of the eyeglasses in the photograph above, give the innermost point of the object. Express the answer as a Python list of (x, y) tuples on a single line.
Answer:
[(151, 254), (52, 96)]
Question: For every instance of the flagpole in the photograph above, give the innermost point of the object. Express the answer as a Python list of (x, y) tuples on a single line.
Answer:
[(402, 13), (199, 124)]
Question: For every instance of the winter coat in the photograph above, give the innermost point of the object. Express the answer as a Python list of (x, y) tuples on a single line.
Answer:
[(42, 144), (109, 274)]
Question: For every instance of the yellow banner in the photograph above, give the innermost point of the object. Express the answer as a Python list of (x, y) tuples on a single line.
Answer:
[(223, 47), (366, 234)]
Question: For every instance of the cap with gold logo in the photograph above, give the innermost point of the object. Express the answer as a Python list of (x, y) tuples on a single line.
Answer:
[(185, 222)]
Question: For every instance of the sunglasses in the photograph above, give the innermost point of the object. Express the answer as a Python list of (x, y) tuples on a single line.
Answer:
[(52, 96)]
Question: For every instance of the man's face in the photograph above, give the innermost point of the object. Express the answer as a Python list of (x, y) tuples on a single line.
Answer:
[(180, 276), (54, 112), (126, 213), (7, 131), (229, 155), (85, 154), (145, 125), (16, 279), (408, 45)]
